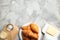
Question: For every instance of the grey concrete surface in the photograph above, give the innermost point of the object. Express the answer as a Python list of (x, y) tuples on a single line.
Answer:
[(20, 12)]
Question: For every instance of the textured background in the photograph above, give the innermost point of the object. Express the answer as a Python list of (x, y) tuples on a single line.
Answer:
[(20, 12)]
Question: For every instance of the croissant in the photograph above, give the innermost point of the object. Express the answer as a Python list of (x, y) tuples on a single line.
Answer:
[(30, 32), (34, 27), (24, 37), (25, 27)]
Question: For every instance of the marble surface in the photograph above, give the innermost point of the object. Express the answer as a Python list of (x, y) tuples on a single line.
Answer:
[(20, 12)]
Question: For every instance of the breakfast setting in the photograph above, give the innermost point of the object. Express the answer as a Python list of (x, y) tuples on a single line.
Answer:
[(29, 19)]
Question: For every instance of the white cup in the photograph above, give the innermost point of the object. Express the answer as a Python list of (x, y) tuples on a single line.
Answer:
[(10, 27)]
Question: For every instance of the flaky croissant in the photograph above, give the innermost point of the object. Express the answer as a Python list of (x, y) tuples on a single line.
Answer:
[(30, 32), (34, 27)]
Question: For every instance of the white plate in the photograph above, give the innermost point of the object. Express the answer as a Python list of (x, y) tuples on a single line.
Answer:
[(26, 25)]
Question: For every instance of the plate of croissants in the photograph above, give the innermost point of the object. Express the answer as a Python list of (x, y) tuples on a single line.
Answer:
[(29, 31)]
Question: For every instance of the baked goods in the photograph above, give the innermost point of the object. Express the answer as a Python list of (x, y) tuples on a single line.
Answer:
[(25, 27), (34, 27), (3, 35), (24, 37), (30, 32), (51, 30)]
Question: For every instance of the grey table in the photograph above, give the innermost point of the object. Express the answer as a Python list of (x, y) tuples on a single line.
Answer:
[(19, 12)]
